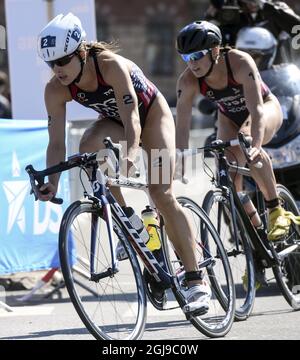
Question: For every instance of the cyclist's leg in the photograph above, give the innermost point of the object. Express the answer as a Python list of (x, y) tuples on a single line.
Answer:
[(92, 140), (265, 178), (272, 121), (159, 133), (228, 130)]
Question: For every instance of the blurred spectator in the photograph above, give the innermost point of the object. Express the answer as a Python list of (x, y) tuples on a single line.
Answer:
[(276, 16), (5, 107), (259, 43)]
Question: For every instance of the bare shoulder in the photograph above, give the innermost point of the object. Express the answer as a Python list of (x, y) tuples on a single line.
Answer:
[(111, 63), (241, 63), (56, 92), (239, 58)]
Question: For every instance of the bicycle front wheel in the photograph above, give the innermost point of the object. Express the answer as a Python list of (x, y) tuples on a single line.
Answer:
[(287, 274), (214, 264), (238, 251), (113, 307)]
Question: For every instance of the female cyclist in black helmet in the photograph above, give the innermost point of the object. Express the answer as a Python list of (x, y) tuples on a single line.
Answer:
[(231, 79)]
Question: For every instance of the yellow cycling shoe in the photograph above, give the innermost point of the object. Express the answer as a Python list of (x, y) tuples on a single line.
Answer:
[(260, 279), (245, 282), (279, 223)]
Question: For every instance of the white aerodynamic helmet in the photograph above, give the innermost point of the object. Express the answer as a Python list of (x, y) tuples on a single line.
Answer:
[(60, 37), (258, 42)]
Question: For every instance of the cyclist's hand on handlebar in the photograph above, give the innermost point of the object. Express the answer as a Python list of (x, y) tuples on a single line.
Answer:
[(254, 155), (128, 168), (46, 192)]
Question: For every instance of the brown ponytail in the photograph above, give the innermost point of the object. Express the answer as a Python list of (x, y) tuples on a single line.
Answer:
[(97, 47)]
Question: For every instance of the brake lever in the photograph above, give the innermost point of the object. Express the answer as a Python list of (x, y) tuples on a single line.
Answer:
[(114, 147)]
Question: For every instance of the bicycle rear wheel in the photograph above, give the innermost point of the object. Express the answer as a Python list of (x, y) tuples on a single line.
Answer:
[(113, 307), (218, 321), (241, 260), (287, 274)]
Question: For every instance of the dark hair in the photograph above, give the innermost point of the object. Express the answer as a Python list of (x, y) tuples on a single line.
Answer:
[(99, 46)]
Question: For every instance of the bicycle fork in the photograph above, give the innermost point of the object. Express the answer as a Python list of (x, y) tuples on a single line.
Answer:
[(111, 271)]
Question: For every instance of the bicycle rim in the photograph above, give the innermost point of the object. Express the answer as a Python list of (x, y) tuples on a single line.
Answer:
[(115, 306), (287, 274), (218, 321), (241, 261)]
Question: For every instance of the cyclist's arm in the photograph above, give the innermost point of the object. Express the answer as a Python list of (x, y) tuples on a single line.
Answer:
[(247, 74), (116, 73), (187, 87), (56, 97)]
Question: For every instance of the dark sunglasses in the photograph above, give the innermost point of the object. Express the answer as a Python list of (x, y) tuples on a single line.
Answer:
[(194, 56), (60, 62)]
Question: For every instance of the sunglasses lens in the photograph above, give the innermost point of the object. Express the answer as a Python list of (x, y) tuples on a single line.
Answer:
[(185, 57), (194, 56), (60, 62), (198, 55), (64, 61), (50, 64)]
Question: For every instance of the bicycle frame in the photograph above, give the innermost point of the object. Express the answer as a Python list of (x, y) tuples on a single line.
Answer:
[(103, 196), (224, 182)]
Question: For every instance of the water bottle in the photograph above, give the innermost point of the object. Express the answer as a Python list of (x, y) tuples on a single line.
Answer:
[(137, 223), (151, 223), (250, 209)]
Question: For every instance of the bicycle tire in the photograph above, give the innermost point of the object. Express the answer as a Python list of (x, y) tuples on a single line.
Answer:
[(218, 321), (241, 263), (115, 306), (287, 274)]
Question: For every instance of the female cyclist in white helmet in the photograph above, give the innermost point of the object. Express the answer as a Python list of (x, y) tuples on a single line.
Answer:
[(130, 108)]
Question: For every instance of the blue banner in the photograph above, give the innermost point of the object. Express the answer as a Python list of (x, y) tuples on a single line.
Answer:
[(28, 229)]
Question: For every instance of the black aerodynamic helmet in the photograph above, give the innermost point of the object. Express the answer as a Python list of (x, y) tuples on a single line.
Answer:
[(199, 35)]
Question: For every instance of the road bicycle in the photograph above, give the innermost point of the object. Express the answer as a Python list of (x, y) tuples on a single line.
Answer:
[(112, 304), (250, 252)]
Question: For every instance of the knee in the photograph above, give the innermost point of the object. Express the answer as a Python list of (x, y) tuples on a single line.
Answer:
[(162, 197)]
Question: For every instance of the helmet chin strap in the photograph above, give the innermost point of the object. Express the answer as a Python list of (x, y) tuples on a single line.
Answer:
[(82, 63)]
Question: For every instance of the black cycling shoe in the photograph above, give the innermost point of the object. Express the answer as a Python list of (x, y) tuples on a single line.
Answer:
[(260, 277), (260, 272), (155, 291)]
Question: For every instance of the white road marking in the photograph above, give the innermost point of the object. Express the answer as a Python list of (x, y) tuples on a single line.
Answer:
[(27, 311)]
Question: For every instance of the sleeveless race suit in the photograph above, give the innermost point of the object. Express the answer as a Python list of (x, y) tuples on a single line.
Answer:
[(103, 99), (231, 100)]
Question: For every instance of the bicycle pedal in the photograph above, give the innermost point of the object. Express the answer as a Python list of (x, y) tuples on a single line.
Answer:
[(194, 313)]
